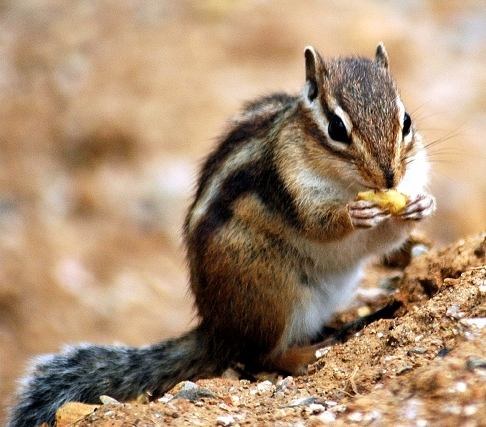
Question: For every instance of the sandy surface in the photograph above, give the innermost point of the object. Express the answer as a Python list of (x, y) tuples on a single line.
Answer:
[(425, 367)]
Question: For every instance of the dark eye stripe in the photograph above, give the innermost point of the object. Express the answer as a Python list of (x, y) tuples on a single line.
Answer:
[(315, 133)]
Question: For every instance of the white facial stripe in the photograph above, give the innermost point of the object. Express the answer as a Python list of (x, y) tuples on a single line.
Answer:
[(317, 114), (321, 119), (401, 114), (401, 109), (408, 138), (338, 111)]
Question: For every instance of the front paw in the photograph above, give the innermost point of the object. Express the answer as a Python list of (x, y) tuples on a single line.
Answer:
[(418, 207), (365, 214)]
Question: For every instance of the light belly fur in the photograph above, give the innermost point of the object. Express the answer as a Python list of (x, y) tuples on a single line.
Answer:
[(319, 301), (336, 270)]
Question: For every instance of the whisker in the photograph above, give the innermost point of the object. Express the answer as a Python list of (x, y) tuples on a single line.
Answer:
[(415, 113)]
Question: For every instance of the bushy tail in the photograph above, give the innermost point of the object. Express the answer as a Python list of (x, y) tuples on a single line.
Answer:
[(84, 373)]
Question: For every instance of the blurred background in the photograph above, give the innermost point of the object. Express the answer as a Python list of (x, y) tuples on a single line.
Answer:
[(108, 107)]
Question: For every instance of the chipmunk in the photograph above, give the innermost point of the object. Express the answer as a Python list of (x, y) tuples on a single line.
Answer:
[(276, 242)]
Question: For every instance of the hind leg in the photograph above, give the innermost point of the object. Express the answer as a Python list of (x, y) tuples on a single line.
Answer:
[(296, 360)]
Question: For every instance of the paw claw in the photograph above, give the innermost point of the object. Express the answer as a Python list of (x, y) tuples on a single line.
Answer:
[(418, 207), (366, 214)]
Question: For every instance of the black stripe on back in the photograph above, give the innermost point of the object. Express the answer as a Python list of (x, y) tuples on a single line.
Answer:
[(257, 178), (256, 126)]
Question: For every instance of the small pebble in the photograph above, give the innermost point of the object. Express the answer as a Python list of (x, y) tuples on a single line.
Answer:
[(461, 387), (476, 322), (419, 249), (470, 410), (166, 398), (355, 416), (403, 369), (107, 400), (109, 414), (225, 420), (314, 408), (299, 402), (327, 417), (475, 363), (454, 313), (264, 386), (193, 392), (417, 350), (287, 383), (322, 351)]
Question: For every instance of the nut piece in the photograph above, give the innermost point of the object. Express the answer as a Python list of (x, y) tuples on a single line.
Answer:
[(389, 199)]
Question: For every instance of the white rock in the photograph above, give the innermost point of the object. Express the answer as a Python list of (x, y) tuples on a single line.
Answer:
[(476, 322), (225, 420)]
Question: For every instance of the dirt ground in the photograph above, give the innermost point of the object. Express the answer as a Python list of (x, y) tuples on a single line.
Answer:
[(106, 109), (424, 367)]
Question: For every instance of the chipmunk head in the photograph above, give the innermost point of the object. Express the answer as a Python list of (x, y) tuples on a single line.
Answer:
[(359, 115)]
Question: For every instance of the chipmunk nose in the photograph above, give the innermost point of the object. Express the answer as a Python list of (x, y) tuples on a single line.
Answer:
[(389, 178)]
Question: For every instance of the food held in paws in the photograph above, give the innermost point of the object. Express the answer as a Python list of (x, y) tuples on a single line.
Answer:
[(389, 199)]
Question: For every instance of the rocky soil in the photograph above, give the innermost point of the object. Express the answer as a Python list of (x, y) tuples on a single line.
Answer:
[(424, 367)]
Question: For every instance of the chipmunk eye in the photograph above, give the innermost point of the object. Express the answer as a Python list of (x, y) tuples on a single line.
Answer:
[(407, 124), (337, 130)]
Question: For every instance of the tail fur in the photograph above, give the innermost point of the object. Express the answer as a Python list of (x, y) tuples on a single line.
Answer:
[(84, 373)]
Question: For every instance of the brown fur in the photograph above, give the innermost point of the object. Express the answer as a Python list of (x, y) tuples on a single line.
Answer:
[(275, 241), (245, 276)]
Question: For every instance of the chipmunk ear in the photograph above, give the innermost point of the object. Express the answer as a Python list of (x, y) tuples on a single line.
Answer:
[(381, 57), (314, 69)]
